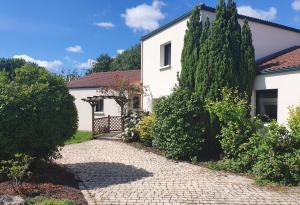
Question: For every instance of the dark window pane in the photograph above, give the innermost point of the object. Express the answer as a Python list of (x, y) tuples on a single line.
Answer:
[(136, 102), (99, 106), (266, 104), (167, 54)]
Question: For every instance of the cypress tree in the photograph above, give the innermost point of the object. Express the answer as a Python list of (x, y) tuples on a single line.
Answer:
[(203, 75), (190, 52), (248, 69), (234, 39), (219, 55)]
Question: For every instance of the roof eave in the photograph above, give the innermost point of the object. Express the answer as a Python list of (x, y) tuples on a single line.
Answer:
[(279, 70)]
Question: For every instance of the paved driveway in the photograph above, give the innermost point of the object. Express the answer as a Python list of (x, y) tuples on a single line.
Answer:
[(115, 173)]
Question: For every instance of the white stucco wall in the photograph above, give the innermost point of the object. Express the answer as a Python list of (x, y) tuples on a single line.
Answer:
[(288, 93), (84, 109), (159, 82)]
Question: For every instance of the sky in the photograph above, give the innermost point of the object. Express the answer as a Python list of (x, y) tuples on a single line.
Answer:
[(70, 34)]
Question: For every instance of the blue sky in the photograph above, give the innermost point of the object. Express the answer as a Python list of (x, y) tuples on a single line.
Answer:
[(71, 33)]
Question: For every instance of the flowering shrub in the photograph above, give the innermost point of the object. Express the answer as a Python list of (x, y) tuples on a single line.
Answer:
[(132, 120)]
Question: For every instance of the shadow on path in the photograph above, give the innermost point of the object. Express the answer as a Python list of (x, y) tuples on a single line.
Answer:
[(104, 174)]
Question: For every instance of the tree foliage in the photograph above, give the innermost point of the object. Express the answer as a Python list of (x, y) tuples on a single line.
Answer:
[(9, 65), (203, 72), (247, 68), (102, 64), (37, 113), (190, 51), (128, 60)]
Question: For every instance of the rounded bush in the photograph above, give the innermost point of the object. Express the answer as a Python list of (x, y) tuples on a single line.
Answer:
[(37, 113), (179, 128)]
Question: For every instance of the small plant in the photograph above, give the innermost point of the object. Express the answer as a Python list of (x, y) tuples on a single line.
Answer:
[(17, 169), (46, 201), (132, 120), (145, 129)]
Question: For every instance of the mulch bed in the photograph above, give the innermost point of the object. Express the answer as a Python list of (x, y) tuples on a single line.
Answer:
[(54, 182)]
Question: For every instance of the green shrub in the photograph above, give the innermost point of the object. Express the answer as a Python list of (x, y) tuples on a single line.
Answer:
[(37, 113), (233, 111), (132, 120), (294, 123), (17, 168), (277, 156), (145, 128), (179, 128)]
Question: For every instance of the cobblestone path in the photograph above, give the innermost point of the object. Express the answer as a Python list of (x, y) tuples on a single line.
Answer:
[(115, 173)]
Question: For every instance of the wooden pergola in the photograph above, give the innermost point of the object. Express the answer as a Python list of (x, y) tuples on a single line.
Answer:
[(120, 100)]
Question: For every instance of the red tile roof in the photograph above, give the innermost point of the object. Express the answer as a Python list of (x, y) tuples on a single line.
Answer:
[(283, 60), (106, 79)]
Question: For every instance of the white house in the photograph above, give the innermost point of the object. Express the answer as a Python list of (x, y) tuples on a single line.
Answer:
[(276, 86), (89, 86)]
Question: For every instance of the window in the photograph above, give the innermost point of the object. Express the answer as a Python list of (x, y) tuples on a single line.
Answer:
[(266, 104), (99, 106), (136, 102), (167, 56)]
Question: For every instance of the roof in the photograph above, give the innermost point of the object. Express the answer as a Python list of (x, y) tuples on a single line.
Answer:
[(286, 60), (106, 79), (211, 9)]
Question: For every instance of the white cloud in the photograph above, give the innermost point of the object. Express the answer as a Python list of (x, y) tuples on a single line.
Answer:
[(74, 49), (104, 24), (120, 51), (269, 14), (144, 17), (296, 5), (88, 64), (50, 65)]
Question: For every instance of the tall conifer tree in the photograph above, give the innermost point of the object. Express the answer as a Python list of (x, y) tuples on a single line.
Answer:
[(190, 52), (234, 39), (248, 69), (203, 74), (220, 59)]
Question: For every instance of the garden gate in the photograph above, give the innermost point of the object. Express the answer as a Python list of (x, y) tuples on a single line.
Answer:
[(107, 124)]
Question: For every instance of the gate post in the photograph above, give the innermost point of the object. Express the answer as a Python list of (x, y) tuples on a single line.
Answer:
[(108, 120), (93, 121)]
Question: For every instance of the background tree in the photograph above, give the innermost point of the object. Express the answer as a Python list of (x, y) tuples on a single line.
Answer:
[(69, 74), (9, 65), (102, 64), (190, 52), (247, 68), (130, 59)]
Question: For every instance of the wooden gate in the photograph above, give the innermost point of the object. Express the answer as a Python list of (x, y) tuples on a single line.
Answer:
[(107, 124)]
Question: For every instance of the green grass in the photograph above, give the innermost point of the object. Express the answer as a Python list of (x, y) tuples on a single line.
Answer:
[(80, 136), (45, 201)]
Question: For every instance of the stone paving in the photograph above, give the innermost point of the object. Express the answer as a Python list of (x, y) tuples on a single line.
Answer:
[(115, 173)]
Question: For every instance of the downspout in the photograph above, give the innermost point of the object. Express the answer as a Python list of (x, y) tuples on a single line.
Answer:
[(142, 93)]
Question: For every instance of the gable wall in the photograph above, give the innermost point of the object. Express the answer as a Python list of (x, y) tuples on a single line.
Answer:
[(266, 39)]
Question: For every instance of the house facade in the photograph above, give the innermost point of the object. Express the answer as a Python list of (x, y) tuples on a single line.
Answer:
[(161, 63), (93, 85)]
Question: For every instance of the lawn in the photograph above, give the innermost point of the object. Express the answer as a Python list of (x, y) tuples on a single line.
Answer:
[(80, 136)]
